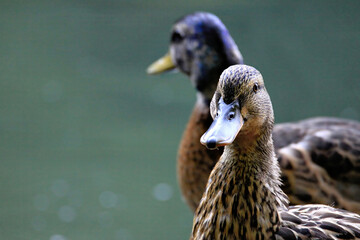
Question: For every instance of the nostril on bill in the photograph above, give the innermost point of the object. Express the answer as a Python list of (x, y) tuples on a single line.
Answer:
[(211, 143)]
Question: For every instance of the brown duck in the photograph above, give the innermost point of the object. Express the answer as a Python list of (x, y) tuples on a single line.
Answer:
[(243, 198), (319, 157)]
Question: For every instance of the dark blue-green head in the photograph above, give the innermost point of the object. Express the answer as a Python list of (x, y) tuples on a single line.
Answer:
[(201, 47)]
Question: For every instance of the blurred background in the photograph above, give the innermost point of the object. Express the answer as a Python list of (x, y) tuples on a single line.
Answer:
[(88, 141)]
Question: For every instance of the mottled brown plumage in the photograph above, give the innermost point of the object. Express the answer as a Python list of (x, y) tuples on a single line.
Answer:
[(308, 150), (323, 162), (194, 160), (243, 198)]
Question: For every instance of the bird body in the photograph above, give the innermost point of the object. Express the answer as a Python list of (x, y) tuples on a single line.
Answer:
[(319, 157), (319, 160), (195, 162), (243, 198)]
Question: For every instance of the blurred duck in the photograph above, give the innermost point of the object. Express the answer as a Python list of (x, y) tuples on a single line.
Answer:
[(243, 198), (319, 157)]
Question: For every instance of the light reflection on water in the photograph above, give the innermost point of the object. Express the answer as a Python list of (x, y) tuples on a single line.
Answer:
[(38, 223), (73, 199), (163, 192), (57, 237), (67, 214), (108, 199), (123, 234)]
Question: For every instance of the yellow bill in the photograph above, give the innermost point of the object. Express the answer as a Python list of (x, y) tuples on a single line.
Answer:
[(161, 65)]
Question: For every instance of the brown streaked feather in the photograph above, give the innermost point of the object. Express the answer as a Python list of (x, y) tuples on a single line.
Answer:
[(322, 165), (318, 222), (195, 162)]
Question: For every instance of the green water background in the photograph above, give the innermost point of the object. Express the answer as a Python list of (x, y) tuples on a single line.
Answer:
[(88, 141)]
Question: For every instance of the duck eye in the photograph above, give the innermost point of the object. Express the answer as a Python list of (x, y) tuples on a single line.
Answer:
[(176, 37), (256, 87), (231, 116)]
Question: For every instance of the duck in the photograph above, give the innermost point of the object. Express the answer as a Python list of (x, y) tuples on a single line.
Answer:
[(310, 152), (201, 47), (243, 198)]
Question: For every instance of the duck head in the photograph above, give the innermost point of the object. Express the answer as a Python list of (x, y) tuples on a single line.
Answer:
[(241, 109), (201, 47)]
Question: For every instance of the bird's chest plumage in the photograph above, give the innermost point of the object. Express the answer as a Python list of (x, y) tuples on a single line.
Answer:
[(195, 161), (236, 206)]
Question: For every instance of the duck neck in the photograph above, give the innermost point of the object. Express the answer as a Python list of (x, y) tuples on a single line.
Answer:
[(205, 77), (242, 195), (203, 102), (206, 86)]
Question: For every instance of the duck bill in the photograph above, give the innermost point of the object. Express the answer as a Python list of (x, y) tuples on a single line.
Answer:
[(161, 65), (224, 128)]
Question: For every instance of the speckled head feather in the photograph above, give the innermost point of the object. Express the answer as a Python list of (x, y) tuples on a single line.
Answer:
[(233, 78), (239, 82)]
